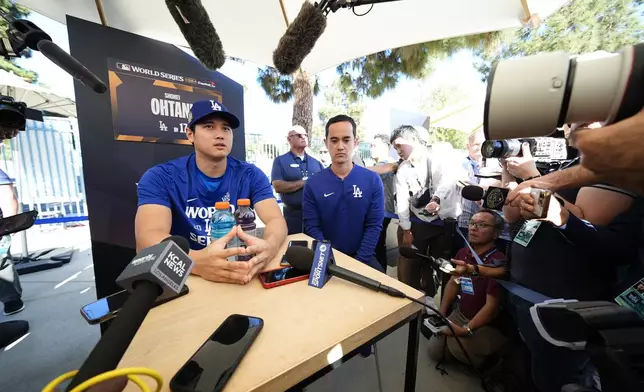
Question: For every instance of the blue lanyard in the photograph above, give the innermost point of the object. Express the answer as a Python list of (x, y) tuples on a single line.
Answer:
[(516, 289), (305, 172)]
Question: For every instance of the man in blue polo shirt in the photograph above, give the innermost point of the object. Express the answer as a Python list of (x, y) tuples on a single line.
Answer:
[(289, 174), (178, 198), (345, 203)]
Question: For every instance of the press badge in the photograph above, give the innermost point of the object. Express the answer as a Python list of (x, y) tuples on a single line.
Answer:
[(524, 236), (466, 286), (294, 165)]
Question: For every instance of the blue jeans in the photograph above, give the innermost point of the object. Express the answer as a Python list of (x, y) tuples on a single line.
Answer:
[(552, 366)]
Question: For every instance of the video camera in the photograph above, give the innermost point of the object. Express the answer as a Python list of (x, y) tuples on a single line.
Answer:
[(14, 114), (543, 149)]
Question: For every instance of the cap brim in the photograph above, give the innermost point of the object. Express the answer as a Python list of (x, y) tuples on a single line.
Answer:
[(230, 118)]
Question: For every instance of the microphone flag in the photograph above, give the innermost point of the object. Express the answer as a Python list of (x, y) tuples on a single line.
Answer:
[(321, 260)]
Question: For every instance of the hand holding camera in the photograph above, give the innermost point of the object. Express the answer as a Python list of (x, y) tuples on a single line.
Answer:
[(540, 204), (522, 166)]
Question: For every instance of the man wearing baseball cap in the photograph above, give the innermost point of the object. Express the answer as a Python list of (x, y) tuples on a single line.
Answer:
[(178, 198), (289, 174)]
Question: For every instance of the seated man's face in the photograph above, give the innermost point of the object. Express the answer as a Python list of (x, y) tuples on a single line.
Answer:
[(340, 142), (481, 229), (212, 137)]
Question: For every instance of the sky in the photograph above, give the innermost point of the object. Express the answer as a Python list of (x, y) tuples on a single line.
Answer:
[(265, 117)]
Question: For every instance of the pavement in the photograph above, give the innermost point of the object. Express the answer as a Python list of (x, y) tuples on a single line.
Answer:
[(60, 339)]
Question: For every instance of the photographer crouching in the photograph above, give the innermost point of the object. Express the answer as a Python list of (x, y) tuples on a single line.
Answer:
[(573, 251)]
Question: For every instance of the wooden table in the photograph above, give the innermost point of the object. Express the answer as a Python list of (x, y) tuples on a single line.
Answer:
[(307, 331)]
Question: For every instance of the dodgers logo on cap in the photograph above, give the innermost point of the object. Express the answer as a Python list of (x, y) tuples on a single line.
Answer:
[(202, 109)]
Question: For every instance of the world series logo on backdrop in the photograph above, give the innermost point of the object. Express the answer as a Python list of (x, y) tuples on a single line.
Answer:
[(153, 105)]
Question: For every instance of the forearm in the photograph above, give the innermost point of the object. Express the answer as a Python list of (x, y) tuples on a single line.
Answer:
[(511, 214), (12, 208), (493, 272), (275, 232), (368, 243), (288, 186), (449, 296), (150, 238), (484, 316)]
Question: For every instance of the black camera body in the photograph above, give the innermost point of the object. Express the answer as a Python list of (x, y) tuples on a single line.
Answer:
[(14, 114), (543, 149)]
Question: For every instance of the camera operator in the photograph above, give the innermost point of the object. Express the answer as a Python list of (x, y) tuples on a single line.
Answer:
[(573, 253)]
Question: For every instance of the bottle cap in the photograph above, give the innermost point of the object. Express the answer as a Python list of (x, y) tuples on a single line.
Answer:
[(243, 202), (222, 205)]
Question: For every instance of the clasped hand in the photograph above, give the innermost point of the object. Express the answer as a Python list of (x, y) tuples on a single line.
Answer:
[(215, 266)]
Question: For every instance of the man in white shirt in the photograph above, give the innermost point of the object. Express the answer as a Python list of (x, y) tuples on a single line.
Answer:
[(426, 193)]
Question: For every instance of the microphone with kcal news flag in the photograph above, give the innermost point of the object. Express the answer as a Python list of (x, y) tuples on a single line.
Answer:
[(158, 271)]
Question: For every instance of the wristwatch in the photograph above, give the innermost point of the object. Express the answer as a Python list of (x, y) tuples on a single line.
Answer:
[(476, 271), (468, 329)]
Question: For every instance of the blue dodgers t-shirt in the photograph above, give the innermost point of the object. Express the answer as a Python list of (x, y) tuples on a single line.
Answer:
[(191, 196)]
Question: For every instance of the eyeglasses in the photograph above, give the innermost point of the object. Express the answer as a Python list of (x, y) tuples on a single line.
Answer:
[(480, 225)]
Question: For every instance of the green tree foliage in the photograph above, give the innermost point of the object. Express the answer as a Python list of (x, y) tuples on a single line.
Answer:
[(18, 12), (578, 27), (443, 96), (336, 102), (457, 139), (373, 75)]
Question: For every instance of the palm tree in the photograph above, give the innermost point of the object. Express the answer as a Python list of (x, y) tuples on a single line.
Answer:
[(370, 75)]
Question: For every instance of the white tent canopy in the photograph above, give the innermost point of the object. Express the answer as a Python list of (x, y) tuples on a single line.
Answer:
[(35, 97), (251, 29), (466, 116)]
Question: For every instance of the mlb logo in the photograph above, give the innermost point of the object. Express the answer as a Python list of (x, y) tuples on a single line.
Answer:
[(123, 67)]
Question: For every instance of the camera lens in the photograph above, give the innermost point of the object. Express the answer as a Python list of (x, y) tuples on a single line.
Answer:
[(492, 149)]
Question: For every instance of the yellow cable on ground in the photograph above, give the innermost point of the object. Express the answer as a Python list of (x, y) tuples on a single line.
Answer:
[(131, 373)]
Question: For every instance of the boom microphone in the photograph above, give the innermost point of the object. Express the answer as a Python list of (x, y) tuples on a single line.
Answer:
[(154, 273), (299, 39), (301, 258), (197, 29)]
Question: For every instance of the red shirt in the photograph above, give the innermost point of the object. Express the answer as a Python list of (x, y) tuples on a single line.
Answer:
[(470, 304)]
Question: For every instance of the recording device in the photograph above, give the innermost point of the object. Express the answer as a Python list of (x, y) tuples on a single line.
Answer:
[(543, 149), (157, 272), (107, 308), (611, 335), (214, 363), (197, 29), (282, 276), (23, 34), (322, 265), (440, 263), (14, 114), (493, 197), (307, 27), (533, 95), (19, 222)]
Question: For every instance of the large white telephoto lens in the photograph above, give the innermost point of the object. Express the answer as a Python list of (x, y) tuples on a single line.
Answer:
[(532, 96)]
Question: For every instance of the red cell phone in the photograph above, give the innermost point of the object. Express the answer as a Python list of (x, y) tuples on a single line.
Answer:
[(282, 276)]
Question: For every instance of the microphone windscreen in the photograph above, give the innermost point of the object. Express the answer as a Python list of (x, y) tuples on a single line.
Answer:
[(408, 252), (299, 39), (300, 257), (180, 241), (472, 192), (195, 25)]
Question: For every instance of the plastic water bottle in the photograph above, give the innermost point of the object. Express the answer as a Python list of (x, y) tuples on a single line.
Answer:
[(222, 222), (245, 219)]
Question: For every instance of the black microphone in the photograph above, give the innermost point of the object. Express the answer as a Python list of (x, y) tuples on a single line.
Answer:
[(197, 29), (299, 39), (36, 39), (440, 263), (301, 258), (493, 198), (156, 272)]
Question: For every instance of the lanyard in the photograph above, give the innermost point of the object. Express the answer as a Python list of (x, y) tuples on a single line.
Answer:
[(305, 172), (518, 290)]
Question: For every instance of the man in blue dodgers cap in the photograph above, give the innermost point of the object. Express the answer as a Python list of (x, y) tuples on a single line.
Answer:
[(178, 198)]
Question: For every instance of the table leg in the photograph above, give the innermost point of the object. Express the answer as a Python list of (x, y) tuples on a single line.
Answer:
[(412, 354)]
